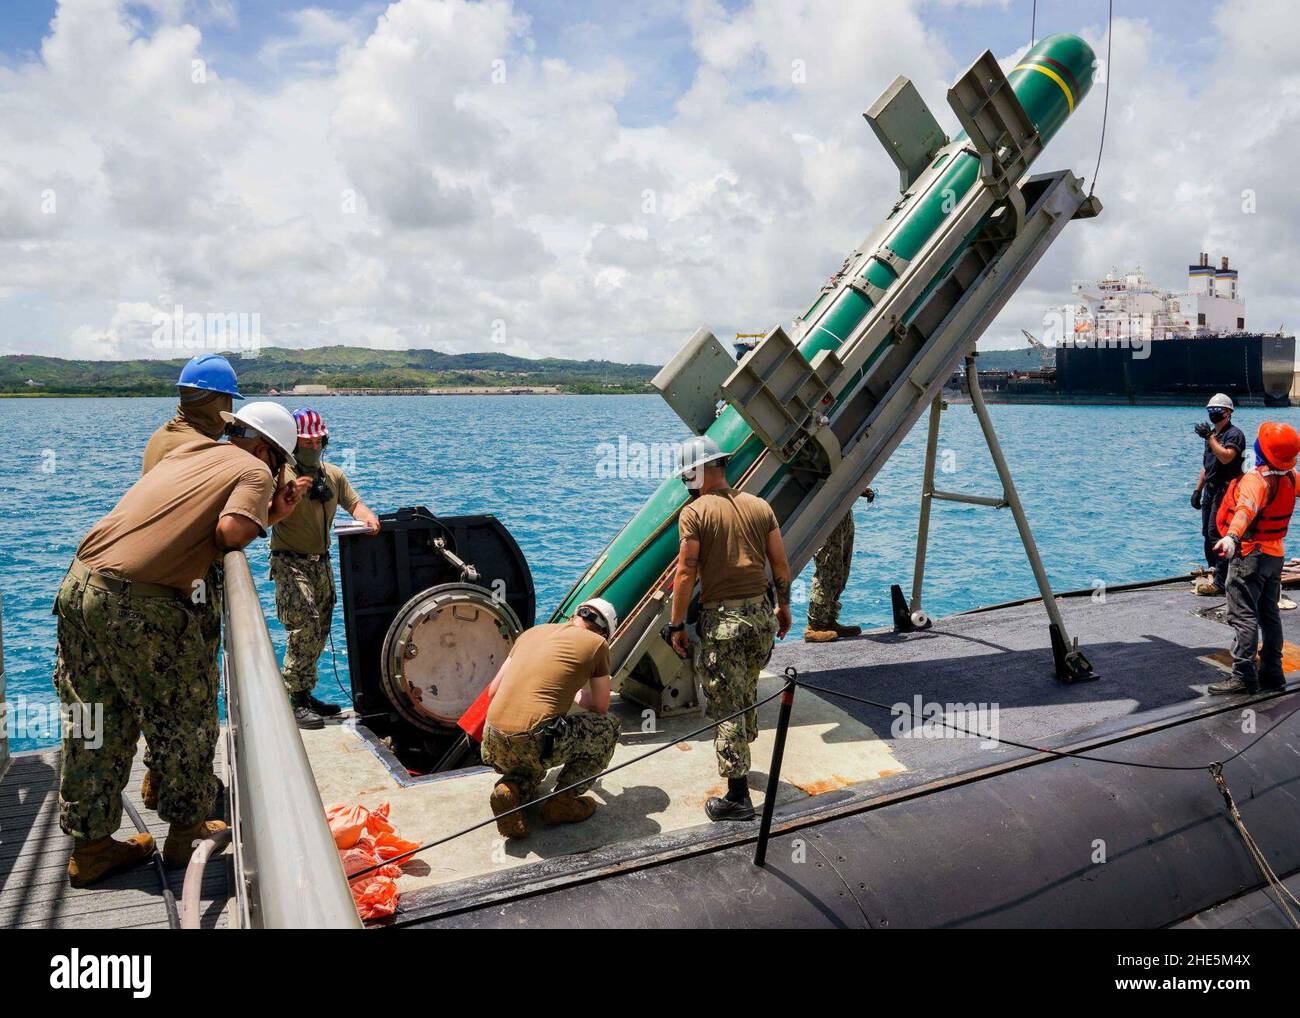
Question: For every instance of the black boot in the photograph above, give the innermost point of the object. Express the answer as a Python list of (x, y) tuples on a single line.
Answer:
[(325, 710), (735, 806), (303, 714), (1271, 681)]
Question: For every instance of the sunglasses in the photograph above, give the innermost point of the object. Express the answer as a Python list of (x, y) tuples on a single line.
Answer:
[(592, 616)]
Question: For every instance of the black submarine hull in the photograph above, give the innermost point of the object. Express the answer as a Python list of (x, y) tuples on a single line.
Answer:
[(1040, 842)]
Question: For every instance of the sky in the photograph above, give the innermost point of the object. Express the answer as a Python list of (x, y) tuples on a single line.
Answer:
[(576, 178)]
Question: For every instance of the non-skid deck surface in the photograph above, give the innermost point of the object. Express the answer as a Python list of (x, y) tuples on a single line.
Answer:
[(34, 890), (1151, 651), (826, 749)]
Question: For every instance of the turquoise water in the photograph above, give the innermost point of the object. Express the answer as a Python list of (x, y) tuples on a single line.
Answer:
[(1106, 490)]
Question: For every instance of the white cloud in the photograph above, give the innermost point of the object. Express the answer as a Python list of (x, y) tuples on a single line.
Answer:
[(424, 178)]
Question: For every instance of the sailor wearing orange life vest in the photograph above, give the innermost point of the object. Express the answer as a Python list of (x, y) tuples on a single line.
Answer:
[(1253, 520)]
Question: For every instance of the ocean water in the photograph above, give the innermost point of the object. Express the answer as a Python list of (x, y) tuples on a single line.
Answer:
[(1105, 488)]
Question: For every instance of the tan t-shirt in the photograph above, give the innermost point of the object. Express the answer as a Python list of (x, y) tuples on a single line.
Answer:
[(548, 665), (732, 528), (307, 529), (163, 529)]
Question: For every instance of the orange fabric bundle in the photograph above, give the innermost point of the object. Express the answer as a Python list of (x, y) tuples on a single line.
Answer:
[(365, 838), (375, 896), (346, 823), (389, 845), (377, 820)]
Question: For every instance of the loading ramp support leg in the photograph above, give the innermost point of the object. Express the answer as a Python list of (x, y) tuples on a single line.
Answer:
[(1070, 663)]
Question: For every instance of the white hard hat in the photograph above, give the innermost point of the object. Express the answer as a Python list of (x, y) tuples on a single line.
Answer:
[(270, 420), (605, 610), (695, 452), (1221, 401)]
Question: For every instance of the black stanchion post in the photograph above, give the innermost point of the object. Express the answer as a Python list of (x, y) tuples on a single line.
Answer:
[(774, 771)]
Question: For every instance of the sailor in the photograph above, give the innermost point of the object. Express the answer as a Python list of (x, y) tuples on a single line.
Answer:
[(831, 567), (1221, 464), (1255, 514), (130, 642), (207, 388), (728, 539), (300, 565), (531, 725)]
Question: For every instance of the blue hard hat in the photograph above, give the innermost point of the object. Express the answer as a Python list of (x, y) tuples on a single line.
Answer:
[(210, 371)]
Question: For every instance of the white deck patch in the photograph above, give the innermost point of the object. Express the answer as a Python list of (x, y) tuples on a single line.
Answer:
[(825, 750)]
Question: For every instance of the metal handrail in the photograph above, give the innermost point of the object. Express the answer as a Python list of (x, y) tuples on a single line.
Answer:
[(288, 872)]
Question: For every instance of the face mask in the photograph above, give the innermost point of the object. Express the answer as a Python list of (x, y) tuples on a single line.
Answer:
[(309, 458), (204, 416)]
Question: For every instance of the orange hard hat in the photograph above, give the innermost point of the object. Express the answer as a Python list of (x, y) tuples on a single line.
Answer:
[(1280, 444)]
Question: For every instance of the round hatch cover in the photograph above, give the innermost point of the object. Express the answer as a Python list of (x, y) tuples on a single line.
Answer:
[(442, 650)]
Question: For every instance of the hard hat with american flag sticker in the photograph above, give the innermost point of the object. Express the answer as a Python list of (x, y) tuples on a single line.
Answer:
[(310, 423)]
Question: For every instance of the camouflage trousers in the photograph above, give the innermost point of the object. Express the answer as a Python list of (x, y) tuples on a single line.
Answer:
[(830, 575), (208, 612), (146, 662), (735, 644), (581, 743), (304, 604)]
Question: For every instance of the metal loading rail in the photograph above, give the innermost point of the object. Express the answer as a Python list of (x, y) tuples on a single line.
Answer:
[(808, 421), (287, 870)]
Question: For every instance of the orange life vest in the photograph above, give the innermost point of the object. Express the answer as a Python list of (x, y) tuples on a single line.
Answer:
[(1270, 524)]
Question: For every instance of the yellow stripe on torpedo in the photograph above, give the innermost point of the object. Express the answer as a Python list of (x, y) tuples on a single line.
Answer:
[(1069, 96)]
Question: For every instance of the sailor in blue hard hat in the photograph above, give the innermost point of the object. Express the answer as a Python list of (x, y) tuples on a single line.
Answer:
[(207, 386)]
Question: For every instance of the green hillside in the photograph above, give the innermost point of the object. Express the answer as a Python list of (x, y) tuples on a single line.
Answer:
[(339, 367)]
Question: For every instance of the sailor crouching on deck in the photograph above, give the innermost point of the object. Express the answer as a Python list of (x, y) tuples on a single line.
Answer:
[(529, 728), (728, 539), (207, 387), (300, 566), (1254, 517), (131, 643)]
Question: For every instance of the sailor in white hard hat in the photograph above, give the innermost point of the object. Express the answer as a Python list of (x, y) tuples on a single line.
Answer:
[(1221, 463), (530, 729), (130, 640)]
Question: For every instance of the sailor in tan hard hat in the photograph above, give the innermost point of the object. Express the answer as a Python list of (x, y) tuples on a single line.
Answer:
[(728, 539)]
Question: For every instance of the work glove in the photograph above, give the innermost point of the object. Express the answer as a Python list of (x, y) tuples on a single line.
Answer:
[(1202, 429), (1196, 499)]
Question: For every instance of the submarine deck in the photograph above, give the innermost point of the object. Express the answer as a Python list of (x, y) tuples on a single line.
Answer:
[(1153, 652)]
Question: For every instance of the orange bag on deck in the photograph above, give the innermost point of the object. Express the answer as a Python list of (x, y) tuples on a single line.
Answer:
[(377, 820), (389, 845), (375, 897), (363, 855), (346, 823)]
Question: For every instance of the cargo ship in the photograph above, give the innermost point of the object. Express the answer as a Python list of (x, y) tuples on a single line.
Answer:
[(1123, 339)]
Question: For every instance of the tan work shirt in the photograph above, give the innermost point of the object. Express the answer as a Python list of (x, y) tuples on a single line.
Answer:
[(163, 530), (549, 664), (732, 528), (307, 529)]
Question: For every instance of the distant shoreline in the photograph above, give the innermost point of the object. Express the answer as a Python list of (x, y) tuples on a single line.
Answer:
[(467, 391)]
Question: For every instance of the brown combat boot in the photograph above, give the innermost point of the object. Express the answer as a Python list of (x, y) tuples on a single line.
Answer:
[(92, 861), (812, 635), (846, 630), (567, 808), (179, 845), (149, 789), (506, 796)]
